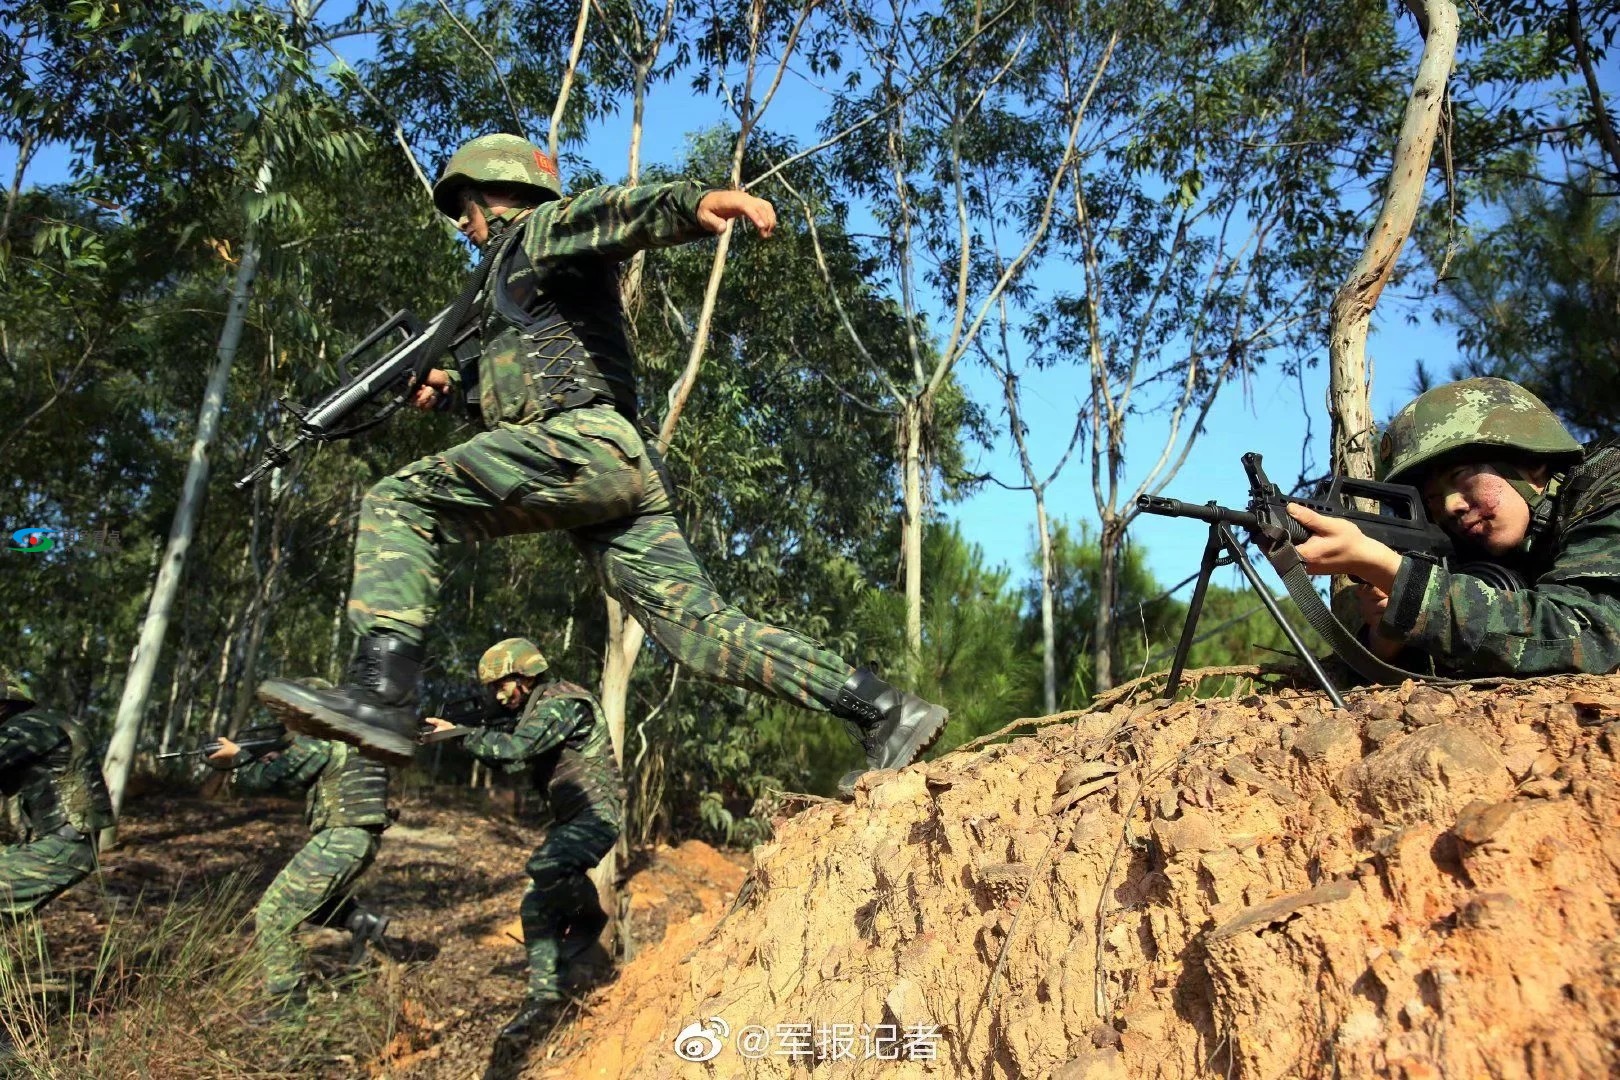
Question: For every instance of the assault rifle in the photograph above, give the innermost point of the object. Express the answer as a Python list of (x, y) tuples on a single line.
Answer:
[(468, 712), (263, 737), (1400, 523), (396, 352)]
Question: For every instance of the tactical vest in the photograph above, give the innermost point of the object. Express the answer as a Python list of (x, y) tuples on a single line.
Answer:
[(562, 688), (1587, 489), (63, 787), (352, 791), (554, 339)]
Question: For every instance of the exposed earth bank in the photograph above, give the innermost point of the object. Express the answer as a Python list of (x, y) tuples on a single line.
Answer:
[(1424, 885)]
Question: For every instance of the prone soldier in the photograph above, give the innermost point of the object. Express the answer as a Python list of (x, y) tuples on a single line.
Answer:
[(346, 808), (554, 390), (560, 738), (50, 770), (1510, 484)]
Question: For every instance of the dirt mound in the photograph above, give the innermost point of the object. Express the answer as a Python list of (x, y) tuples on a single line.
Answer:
[(1424, 885)]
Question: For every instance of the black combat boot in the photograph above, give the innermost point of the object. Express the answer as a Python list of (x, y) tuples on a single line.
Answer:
[(374, 710), (366, 927), (894, 727)]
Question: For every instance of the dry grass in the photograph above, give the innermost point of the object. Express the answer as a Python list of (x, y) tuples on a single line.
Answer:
[(179, 996)]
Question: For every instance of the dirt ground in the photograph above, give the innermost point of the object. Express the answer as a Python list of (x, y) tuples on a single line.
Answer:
[(451, 877), (1425, 885)]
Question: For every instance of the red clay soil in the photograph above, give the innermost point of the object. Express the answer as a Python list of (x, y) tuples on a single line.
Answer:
[(1425, 885)]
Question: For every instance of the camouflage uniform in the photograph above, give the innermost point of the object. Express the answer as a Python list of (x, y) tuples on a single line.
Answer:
[(561, 740), (346, 809), (585, 469), (59, 801), (554, 388), (1568, 619)]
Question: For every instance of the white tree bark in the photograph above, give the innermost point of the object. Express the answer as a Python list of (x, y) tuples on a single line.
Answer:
[(1349, 395), (132, 705)]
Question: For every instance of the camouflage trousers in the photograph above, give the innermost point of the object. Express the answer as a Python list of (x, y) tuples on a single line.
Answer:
[(586, 471), (318, 877), (562, 916), (33, 874)]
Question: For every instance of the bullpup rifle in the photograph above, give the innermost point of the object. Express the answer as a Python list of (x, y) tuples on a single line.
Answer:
[(388, 362), (1400, 523), (467, 713)]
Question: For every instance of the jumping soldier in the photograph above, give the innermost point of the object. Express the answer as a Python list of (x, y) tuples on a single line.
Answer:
[(346, 808), (560, 738), (1505, 478), (59, 800), (554, 390)]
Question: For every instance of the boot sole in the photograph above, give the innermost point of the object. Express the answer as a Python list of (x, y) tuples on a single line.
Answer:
[(923, 736), (292, 705)]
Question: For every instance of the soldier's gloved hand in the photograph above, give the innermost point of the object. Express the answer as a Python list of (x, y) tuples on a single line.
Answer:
[(718, 207), (434, 389)]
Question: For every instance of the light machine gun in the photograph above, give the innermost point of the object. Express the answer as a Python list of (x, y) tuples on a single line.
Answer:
[(1401, 524), (398, 351)]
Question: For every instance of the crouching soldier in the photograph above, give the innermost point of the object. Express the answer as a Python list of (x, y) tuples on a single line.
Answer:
[(59, 801), (559, 736), (1502, 475), (346, 808)]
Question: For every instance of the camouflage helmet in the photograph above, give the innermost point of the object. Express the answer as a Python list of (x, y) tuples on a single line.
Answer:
[(514, 656), (13, 689), (496, 159), (1472, 415)]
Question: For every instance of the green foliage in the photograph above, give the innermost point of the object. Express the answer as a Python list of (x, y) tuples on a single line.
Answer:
[(1536, 300)]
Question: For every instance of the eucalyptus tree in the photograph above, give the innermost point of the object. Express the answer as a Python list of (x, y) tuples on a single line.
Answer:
[(1208, 222), (944, 126), (278, 108)]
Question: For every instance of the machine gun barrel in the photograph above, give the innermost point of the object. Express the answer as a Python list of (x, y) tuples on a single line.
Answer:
[(1211, 512)]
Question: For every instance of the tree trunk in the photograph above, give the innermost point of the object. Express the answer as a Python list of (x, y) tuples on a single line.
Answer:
[(264, 602), (911, 529), (1349, 397), (1043, 530), (1102, 627), (554, 135), (132, 705)]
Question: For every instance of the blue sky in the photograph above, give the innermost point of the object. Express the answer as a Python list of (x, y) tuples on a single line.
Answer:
[(1280, 416)]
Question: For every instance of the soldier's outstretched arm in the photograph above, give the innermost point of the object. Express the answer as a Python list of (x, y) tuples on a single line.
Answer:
[(537, 732), (617, 222), (298, 765)]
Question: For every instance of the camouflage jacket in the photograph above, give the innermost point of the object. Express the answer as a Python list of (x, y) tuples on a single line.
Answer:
[(552, 312), (49, 768), (558, 714), (342, 788), (1568, 620)]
